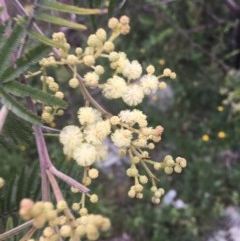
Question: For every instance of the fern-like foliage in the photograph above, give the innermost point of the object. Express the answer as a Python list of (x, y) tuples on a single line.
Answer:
[(10, 87)]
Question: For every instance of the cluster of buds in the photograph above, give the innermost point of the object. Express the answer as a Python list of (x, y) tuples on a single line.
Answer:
[(49, 112), (91, 225), (157, 194), (169, 165), (58, 222), (80, 207), (127, 80), (85, 143)]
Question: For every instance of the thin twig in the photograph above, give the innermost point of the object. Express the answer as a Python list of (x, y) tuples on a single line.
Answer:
[(68, 180), (44, 161), (29, 234), (15, 230), (57, 191)]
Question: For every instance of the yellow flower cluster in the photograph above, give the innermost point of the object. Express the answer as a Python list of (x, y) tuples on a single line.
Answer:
[(132, 131), (127, 81), (85, 143), (90, 226), (124, 79), (57, 223), (168, 165), (49, 112)]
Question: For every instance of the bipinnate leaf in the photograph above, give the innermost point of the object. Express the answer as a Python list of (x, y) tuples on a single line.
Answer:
[(22, 90), (17, 108), (9, 46), (24, 63)]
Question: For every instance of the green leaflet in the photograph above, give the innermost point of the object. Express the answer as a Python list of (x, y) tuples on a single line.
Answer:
[(17, 108), (59, 21), (9, 225), (9, 46), (69, 9), (22, 90), (3, 29), (25, 62)]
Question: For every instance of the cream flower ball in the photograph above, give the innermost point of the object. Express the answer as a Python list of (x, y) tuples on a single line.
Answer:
[(114, 87), (88, 115), (96, 133), (71, 137), (149, 83), (85, 155), (121, 138), (133, 95), (132, 70)]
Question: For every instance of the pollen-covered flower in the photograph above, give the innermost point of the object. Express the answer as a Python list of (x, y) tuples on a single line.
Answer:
[(71, 137), (132, 70), (133, 95), (140, 118), (91, 79), (121, 138), (120, 63), (85, 155), (114, 87), (132, 117), (97, 132), (102, 152), (149, 83), (88, 115)]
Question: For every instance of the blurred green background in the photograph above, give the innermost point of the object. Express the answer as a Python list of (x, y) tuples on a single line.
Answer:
[(199, 40)]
